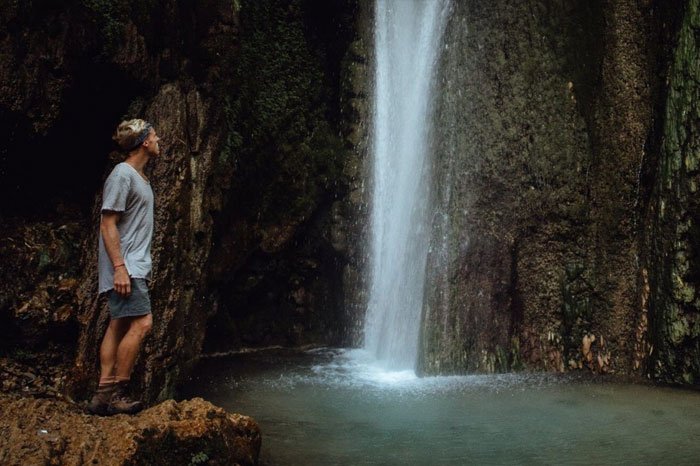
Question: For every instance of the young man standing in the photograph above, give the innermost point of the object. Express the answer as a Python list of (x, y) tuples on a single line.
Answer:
[(126, 230)]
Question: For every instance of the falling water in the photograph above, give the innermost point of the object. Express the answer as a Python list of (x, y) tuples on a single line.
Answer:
[(407, 39)]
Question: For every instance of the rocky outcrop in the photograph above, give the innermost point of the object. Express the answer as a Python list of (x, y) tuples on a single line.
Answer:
[(43, 431)]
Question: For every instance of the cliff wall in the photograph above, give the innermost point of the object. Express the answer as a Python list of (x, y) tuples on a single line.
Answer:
[(549, 134)]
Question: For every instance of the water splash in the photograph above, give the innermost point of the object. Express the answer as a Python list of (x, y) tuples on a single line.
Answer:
[(407, 39)]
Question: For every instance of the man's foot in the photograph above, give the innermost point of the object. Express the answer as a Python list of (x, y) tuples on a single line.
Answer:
[(100, 401), (120, 403)]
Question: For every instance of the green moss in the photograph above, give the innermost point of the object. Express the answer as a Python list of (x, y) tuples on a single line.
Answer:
[(234, 140), (44, 261), (577, 309), (22, 355), (287, 153), (683, 291), (516, 363), (679, 330), (502, 363), (110, 17)]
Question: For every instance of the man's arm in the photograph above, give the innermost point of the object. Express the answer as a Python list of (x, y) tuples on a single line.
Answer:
[(110, 237)]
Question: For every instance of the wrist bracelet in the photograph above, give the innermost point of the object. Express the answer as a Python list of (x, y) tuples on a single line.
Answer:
[(119, 265)]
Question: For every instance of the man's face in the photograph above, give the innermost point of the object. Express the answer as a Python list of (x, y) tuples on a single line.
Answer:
[(151, 143)]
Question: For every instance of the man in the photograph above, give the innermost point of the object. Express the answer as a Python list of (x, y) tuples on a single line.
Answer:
[(126, 230)]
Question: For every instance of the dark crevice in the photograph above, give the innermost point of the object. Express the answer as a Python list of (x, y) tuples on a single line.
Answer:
[(57, 175)]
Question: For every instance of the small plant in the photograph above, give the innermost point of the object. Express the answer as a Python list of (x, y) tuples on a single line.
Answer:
[(199, 458), (22, 355)]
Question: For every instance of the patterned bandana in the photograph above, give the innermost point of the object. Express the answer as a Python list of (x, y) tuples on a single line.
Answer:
[(142, 137)]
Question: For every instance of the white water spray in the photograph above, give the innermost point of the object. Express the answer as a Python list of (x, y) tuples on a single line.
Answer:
[(407, 40)]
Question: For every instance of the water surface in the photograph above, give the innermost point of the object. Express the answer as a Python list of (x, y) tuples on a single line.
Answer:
[(333, 407)]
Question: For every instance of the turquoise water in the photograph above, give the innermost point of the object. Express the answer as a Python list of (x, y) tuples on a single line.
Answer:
[(332, 407)]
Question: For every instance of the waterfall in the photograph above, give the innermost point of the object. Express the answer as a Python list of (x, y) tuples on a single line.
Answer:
[(407, 42)]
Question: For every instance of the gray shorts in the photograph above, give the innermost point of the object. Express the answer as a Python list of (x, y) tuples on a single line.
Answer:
[(138, 303)]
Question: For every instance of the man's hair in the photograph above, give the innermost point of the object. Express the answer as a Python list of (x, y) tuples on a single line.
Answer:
[(131, 133)]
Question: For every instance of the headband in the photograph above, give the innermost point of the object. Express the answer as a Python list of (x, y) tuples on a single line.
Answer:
[(141, 137)]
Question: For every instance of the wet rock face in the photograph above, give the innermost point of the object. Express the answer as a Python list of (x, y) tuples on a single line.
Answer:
[(41, 431), (673, 231), (278, 263), (540, 145), (510, 183)]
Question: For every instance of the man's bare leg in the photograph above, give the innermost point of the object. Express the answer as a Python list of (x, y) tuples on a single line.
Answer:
[(116, 330), (118, 352), (100, 403), (130, 344)]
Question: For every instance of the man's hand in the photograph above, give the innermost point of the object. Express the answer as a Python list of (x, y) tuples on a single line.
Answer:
[(122, 282), (110, 236)]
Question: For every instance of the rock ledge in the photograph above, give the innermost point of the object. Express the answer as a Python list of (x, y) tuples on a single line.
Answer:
[(47, 431)]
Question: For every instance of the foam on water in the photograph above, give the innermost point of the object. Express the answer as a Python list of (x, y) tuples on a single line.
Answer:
[(361, 367), (358, 370)]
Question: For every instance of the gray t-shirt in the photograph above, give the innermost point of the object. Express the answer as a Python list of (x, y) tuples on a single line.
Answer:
[(128, 192)]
